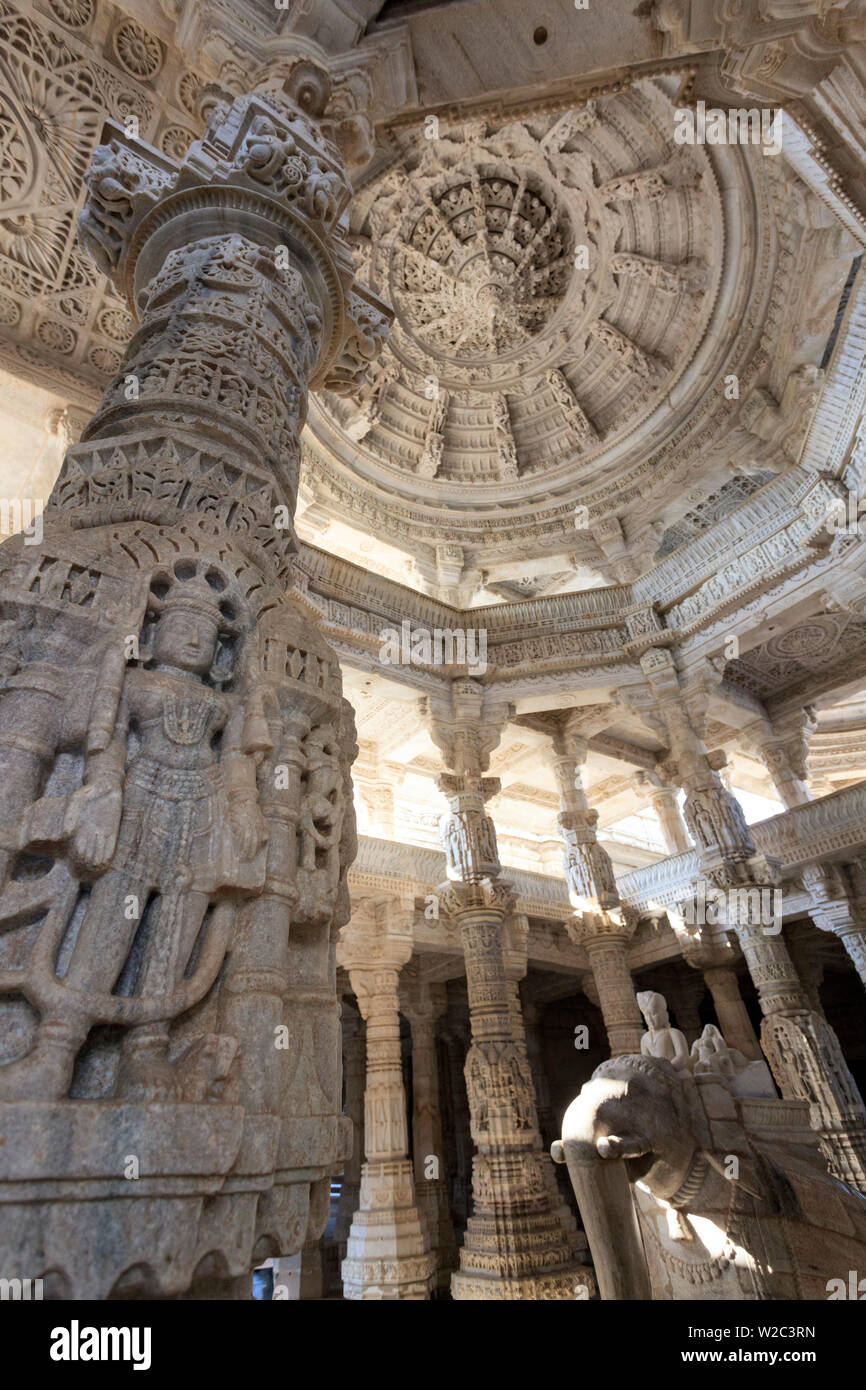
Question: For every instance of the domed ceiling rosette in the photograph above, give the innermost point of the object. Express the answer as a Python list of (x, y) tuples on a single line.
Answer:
[(556, 283)]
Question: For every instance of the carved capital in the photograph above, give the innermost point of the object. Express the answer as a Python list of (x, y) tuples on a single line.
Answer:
[(266, 165)]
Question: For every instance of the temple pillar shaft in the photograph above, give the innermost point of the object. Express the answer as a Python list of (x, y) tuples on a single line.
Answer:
[(461, 1138), (783, 752), (608, 960), (674, 830), (837, 894), (354, 1051), (422, 1005), (805, 1056), (516, 1246), (599, 923), (388, 1252), (733, 1016), (532, 1015)]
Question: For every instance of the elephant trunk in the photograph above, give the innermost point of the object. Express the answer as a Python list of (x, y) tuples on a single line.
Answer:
[(604, 1198)]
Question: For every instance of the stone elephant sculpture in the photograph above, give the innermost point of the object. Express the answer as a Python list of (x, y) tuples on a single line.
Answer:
[(688, 1189)]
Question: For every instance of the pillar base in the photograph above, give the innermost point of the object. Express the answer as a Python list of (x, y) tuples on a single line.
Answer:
[(564, 1285), (388, 1253), (432, 1199), (523, 1253), (166, 1225)]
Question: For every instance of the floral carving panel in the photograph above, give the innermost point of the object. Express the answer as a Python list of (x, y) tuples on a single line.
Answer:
[(59, 83)]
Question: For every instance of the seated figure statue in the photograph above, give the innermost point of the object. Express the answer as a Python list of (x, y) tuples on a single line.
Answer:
[(661, 1040), (712, 1055)]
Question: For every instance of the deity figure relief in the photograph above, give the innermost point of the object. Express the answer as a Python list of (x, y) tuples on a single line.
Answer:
[(714, 817), (452, 837), (588, 870), (488, 852), (116, 181), (322, 821), (166, 822)]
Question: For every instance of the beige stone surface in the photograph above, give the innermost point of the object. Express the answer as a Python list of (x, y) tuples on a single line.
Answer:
[(432, 445)]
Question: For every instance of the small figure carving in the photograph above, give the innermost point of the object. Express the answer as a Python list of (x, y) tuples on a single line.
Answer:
[(661, 1040)]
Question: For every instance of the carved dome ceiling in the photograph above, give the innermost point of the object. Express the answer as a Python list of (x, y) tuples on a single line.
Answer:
[(569, 293)]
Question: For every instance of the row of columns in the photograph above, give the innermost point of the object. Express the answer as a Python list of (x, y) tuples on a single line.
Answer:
[(389, 1253), (521, 1240), (399, 1235)]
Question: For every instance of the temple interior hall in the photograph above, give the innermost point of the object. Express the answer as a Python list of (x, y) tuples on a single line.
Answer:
[(432, 650)]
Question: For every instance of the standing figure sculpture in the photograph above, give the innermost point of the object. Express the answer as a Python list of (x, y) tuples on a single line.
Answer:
[(160, 829)]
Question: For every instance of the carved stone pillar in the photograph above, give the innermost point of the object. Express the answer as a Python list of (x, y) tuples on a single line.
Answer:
[(458, 1104), (532, 1016), (606, 943), (388, 1252), (837, 894), (783, 751), (663, 799), (716, 959), (173, 740), (515, 935), (805, 1056), (353, 1074), (379, 800), (684, 994), (599, 924), (801, 1048), (422, 1004), (516, 1246)]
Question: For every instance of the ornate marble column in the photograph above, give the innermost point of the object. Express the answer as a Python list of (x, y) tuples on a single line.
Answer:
[(532, 1018), (684, 994), (353, 1082), (599, 923), (388, 1253), (837, 892), (662, 797), (174, 743), (783, 751), (801, 1048), (455, 1038), (515, 1246), (422, 1004), (716, 958), (515, 936)]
